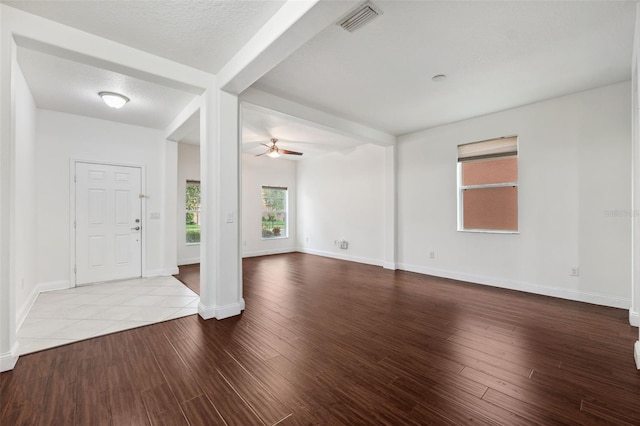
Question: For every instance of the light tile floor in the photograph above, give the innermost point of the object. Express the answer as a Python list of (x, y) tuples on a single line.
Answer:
[(66, 316)]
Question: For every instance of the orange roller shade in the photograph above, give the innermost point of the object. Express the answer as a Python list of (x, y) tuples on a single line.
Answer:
[(491, 208)]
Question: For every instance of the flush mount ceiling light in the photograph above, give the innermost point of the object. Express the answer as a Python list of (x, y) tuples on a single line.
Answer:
[(113, 100), (438, 78)]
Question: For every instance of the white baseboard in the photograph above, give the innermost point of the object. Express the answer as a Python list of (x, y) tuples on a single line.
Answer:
[(221, 312), (358, 259), (390, 265), (8, 360), (162, 272), (634, 318), (636, 354), (23, 311), (188, 261), (257, 253), (562, 293)]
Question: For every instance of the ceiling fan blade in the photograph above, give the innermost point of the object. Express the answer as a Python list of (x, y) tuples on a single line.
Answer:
[(286, 151), (264, 144), (258, 155), (250, 145)]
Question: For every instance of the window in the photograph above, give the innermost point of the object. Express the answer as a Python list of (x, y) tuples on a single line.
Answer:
[(488, 186), (192, 209), (274, 212)]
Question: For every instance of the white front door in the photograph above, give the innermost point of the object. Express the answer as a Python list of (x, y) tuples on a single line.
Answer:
[(108, 217)]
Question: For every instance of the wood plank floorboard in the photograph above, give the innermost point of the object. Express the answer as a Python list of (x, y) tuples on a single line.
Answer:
[(329, 342)]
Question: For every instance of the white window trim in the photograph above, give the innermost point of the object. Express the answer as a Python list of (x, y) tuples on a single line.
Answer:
[(275, 238), (285, 212), (190, 211)]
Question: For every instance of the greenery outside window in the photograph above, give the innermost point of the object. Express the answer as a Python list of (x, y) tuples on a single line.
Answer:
[(192, 208), (274, 212), (488, 186)]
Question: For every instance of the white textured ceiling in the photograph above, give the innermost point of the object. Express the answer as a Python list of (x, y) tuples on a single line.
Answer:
[(63, 85), (497, 55), (203, 34)]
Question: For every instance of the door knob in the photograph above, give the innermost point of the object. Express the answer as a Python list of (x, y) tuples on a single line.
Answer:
[(137, 228)]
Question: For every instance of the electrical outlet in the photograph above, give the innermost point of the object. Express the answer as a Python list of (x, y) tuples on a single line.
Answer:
[(306, 240), (575, 271), (344, 245), (432, 255)]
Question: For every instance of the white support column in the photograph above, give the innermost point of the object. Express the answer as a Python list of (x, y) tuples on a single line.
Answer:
[(220, 257), (391, 208), (634, 317), (8, 344), (635, 185), (169, 216)]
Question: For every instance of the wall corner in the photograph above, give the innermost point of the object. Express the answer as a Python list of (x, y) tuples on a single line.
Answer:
[(8, 360)]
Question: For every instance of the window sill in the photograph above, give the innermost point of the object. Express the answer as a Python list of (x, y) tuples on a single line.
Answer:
[(487, 231), (274, 238), (192, 244)]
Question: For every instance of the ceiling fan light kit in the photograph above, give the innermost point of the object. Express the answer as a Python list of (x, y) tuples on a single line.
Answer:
[(274, 152)]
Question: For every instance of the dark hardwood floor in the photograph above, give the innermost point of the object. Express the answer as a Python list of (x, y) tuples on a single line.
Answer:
[(190, 276), (329, 342)]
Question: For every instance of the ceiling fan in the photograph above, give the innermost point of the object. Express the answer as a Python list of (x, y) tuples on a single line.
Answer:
[(274, 152)]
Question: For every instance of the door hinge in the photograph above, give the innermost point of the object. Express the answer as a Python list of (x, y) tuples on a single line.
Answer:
[(75, 178), (74, 224), (75, 269)]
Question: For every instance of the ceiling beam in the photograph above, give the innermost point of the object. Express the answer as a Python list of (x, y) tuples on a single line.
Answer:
[(295, 23), (293, 111), (184, 123), (50, 37)]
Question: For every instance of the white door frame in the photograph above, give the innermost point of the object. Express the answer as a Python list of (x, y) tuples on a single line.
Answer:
[(72, 214)]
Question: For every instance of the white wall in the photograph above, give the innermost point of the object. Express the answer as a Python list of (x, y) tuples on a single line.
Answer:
[(188, 169), (25, 197), (62, 137), (574, 203), (341, 196), (256, 173)]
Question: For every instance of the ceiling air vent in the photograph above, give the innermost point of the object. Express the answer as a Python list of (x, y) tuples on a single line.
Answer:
[(360, 17)]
